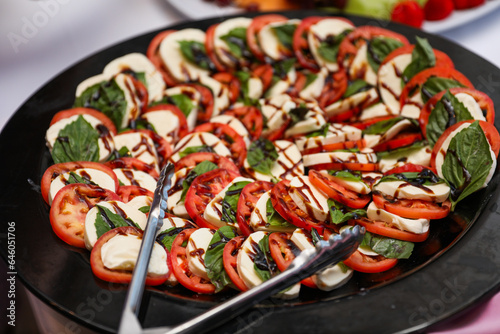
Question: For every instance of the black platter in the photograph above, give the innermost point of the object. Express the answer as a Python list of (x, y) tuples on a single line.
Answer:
[(455, 268)]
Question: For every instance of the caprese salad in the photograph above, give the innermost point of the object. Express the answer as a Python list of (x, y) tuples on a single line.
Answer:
[(282, 132)]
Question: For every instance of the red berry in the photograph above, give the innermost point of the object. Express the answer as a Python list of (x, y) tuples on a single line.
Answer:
[(466, 4), (438, 9), (408, 12)]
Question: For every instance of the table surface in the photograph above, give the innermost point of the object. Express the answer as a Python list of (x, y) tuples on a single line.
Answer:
[(40, 39)]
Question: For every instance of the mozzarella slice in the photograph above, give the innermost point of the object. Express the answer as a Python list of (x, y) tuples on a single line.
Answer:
[(170, 51), (412, 109), (363, 157), (401, 189), (309, 198), (360, 67), (235, 124), (96, 176), (193, 95), (375, 110), (89, 82), (313, 120), (219, 92), (221, 48), (174, 203), (105, 141), (121, 252), (389, 81), (196, 249), (200, 139), (273, 47), (275, 110), (288, 164), (337, 133), (123, 209), (130, 177), (165, 123), (364, 99), (357, 186), (371, 178), (255, 88), (140, 146), (139, 202), (471, 104), (419, 156), (244, 261), (374, 140), (139, 63), (282, 85), (176, 222), (313, 90), (417, 226), (258, 217)]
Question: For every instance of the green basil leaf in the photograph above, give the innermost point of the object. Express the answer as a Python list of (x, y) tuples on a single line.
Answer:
[(315, 237), (402, 152), (422, 58), (107, 220), (196, 149), (434, 85), (274, 218), (123, 152), (322, 132), (244, 78), (329, 48), (262, 155), (230, 201), (201, 168), (467, 162), (347, 175), (167, 237), (298, 114), (378, 48), (310, 78), (357, 86), (145, 209), (183, 102), (284, 33), (236, 40), (264, 265), (281, 69), (214, 258), (340, 213), (382, 127), (448, 111), (75, 178), (196, 54), (106, 97), (423, 178), (388, 247), (77, 141)]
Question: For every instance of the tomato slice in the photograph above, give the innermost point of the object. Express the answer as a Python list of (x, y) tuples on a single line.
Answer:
[(206, 103), (229, 260), (183, 127), (413, 209), (346, 145), (283, 251), (133, 163), (249, 196), (408, 168), (484, 101), (153, 54), (203, 189), (57, 169), (279, 133), (106, 121), (327, 185), (193, 159), (180, 267), (366, 123), (253, 29), (301, 46), (210, 48), (286, 207), (385, 229), (334, 89), (229, 137), (232, 84), (251, 117), (128, 193), (401, 140), (369, 264), (265, 73), (69, 209), (119, 276)]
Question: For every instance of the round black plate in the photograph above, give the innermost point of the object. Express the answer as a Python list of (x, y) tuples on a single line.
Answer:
[(457, 266)]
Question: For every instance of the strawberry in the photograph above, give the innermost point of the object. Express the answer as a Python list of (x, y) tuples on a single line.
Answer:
[(438, 9), (466, 4), (408, 12)]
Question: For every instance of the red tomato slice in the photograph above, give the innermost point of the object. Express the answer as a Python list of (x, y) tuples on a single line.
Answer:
[(231, 139), (364, 124), (300, 44), (346, 145), (387, 230), (369, 264), (413, 209), (286, 207), (251, 117), (180, 267), (253, 29), (279, 133), (133, 163), (249, 196), (265, 73), (283, 251), (334, 89), (203, 189), (193, 159), (327, 185), (206, 103), (229, 256), (409, 168), (401, 140), (106, 121), (141, 92), (128, 193), (231, 82), (153, 55), (119, 276), (55, 170), (484, 101), (70, 207), (183, 127), (210, 48)]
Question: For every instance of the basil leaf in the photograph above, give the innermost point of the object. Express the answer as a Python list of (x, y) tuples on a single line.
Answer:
[(284, 33), (244, 78), (347, 175), (274, 218), (329, 48), (123, 152), (357, 86), (310, 78), (230, 201), (75, 178), (322, 132), (107, 220), (262, 155), (236, 40), (106, 97), (196, 53), (315, 237), (467, 162), (388, 247), (264, 265), (167, 237), (424, 178), (214, 258), (196, 149), (448, 111), (378, 48), (201, 168), (383, 126), (340, 213), (422, 57), (401, 153), (77, 141), (281, 69), (434, 85), (145, 209), (183, 102), (298, 114)]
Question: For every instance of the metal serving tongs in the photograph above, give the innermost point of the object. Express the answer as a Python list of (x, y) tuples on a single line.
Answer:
[(309, 262)]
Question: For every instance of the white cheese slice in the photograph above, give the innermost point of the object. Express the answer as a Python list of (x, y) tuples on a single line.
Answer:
[(412, 108), (309, 198), (193, 95), (267, 37), (219, 92), (282, 85), (139, 202), (375, 110), (419, 156), (364, 98), (121, 252), (140, 146), (200, 139), (196, 250), (360, 67), (129, 177), (89, 82), (357, 186), (313, 120), (313, 90), (258, 217), (177, 222), (124, 209), (371, 178), (222, 50), (417, 226), (255, 88), (275, 110), (374, 140), (337, 133), (339, 157), (244, 262), (165, 123), (401, 189), (389, 81), (174, 203), (235, 124), (471, 104)]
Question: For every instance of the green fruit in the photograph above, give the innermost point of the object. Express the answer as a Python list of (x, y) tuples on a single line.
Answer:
[(374, 8)]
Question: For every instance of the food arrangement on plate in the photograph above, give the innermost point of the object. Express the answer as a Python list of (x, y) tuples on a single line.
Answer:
[(282, 132)]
